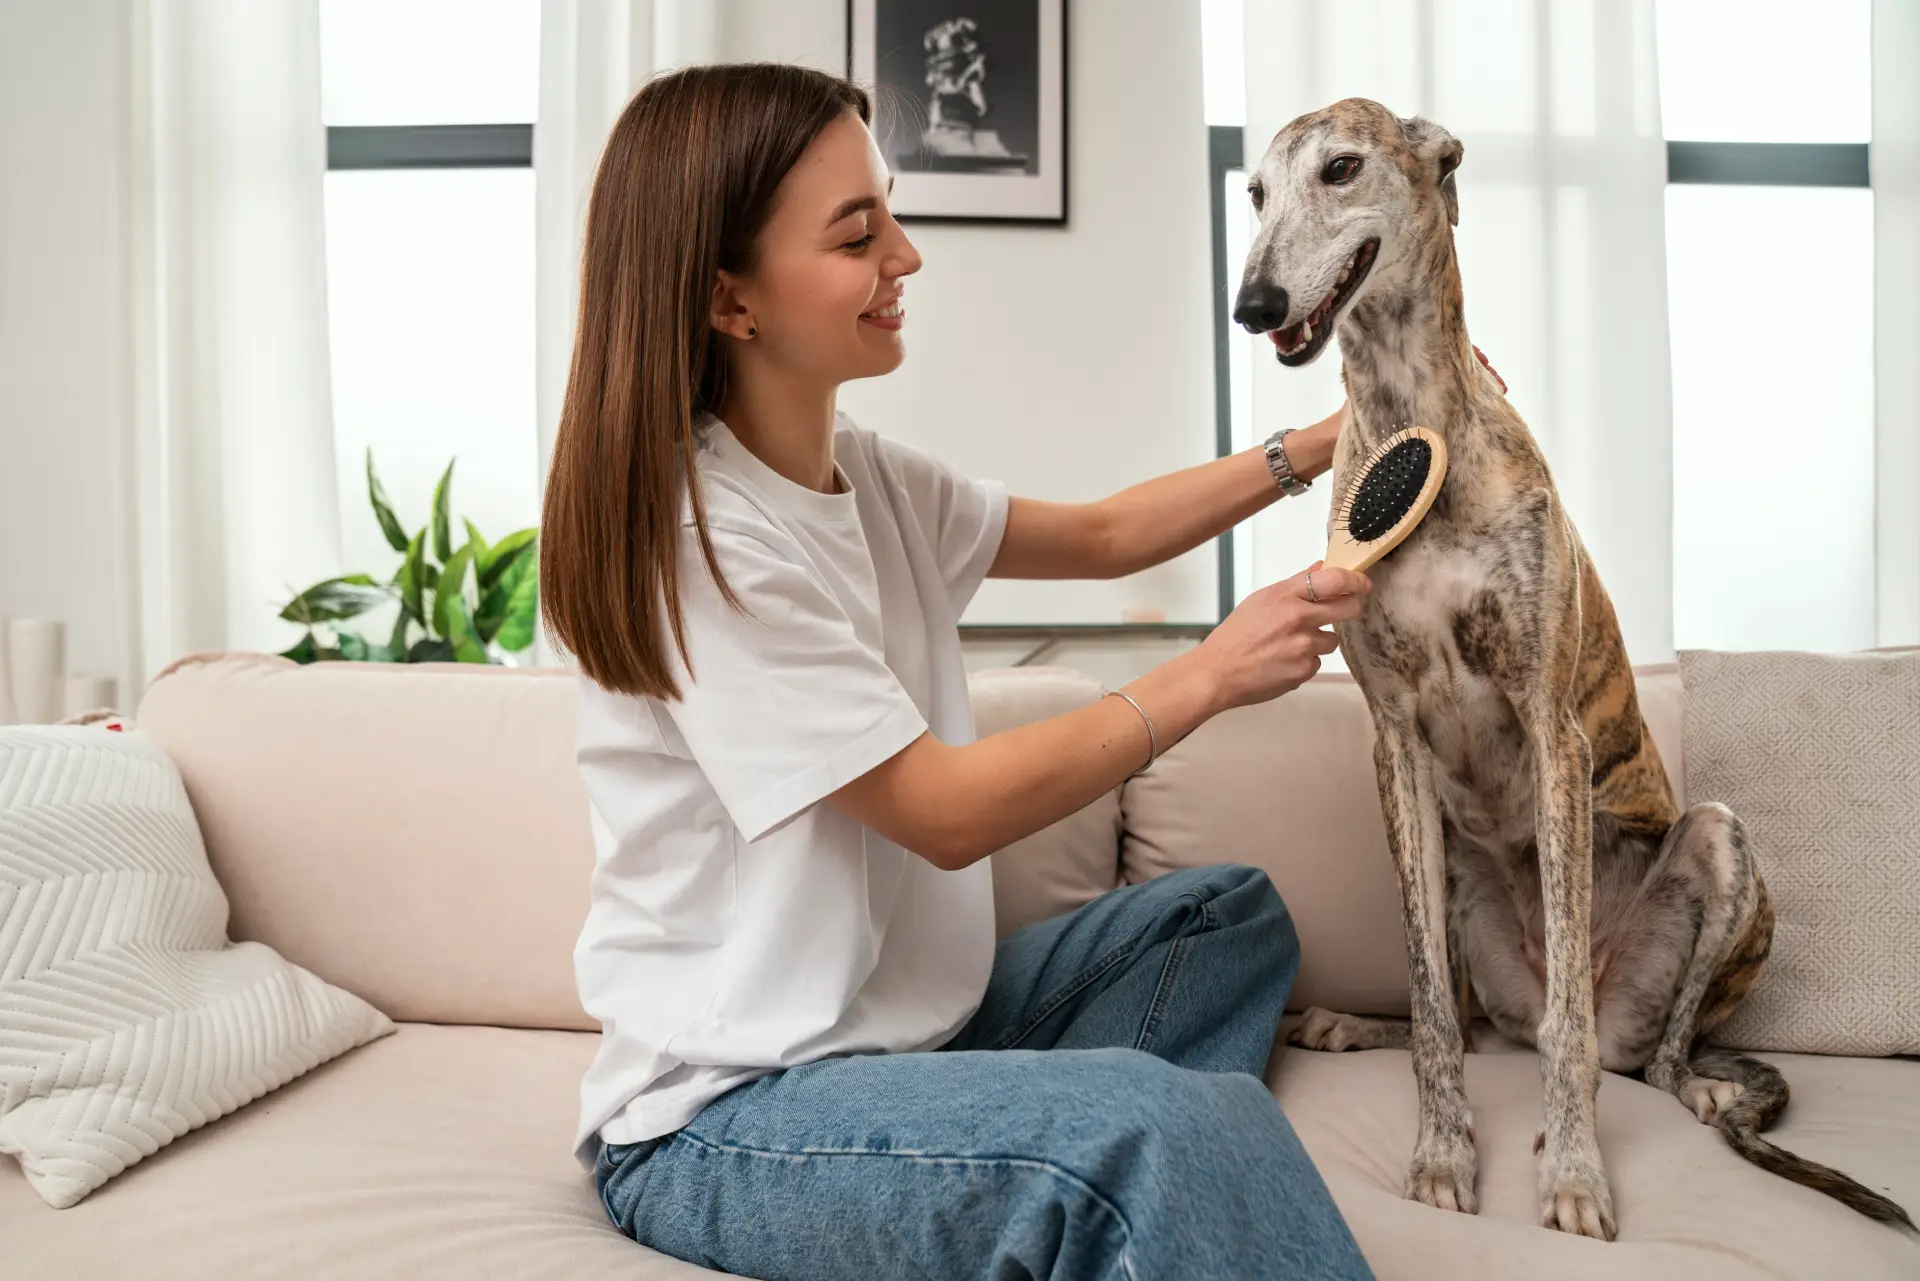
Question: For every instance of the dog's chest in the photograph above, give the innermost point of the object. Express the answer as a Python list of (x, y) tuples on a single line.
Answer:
[(1437, 631)]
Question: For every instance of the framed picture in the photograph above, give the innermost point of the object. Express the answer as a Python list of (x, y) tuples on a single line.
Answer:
[(970, 105)]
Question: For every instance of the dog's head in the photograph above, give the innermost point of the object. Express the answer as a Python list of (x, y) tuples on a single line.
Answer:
[(1342, 194)]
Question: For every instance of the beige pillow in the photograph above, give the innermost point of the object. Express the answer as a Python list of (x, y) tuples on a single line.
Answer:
[(126, 1019), (1820, 756)]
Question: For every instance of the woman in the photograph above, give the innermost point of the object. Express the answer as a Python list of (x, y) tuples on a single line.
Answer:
[(791, 908)]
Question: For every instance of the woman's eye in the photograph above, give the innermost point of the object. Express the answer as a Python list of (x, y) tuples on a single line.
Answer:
[(855, 246), (1257, 194), (1341, 169)]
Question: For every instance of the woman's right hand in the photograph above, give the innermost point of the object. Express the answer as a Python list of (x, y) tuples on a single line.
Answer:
[(1275, 638)]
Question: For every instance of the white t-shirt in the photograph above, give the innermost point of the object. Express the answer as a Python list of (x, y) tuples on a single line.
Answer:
[(738, 924)]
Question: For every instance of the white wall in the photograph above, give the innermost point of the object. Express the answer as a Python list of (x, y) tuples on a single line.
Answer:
[(1068, 362), (65, 511)]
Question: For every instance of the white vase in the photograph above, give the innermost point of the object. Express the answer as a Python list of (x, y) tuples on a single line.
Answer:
[(37, 657)]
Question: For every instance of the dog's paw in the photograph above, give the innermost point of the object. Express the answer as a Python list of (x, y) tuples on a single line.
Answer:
[(1320, 1029), (1577, 1200), (1708, 1098), (1442, 1177)]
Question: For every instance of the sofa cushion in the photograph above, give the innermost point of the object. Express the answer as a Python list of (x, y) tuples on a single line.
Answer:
[(437, 1152), (126, 1019), (1288, 786), (443, 1151), (1688, 1209), (1819, 755), (1077, 859)]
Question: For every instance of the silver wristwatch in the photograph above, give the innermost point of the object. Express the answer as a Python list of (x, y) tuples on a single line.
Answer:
[(1282, 470)]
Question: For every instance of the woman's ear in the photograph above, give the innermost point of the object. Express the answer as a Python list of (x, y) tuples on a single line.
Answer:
[(729, 313), (1440, 153)]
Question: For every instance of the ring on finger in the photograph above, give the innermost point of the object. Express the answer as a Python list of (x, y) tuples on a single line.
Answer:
[(1312, 595)]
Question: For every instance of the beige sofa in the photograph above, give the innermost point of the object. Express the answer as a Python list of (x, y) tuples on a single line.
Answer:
[(417, 835)]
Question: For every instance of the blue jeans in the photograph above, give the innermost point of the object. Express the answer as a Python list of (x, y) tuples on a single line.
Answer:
[(1102, 1115)]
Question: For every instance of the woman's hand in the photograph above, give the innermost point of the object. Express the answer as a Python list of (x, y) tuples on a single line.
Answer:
[(1488, 364), (1276, 637)]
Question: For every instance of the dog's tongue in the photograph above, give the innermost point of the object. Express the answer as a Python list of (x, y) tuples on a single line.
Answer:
[(1285, 339)]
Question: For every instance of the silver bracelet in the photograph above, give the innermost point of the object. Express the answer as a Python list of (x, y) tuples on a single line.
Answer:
[(1153, 739)]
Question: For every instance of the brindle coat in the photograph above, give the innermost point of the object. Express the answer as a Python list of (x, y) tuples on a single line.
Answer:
[(1540, 852)]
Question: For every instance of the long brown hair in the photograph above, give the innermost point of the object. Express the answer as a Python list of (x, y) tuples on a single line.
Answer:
[(684, 188)]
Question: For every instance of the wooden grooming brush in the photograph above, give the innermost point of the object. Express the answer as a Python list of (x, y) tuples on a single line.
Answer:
[(1388, 495)]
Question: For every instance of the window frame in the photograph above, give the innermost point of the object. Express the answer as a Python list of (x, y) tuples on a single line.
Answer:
[(351, 147)]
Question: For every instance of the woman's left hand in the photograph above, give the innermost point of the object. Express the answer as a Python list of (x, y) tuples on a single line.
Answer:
[(1490, 369)]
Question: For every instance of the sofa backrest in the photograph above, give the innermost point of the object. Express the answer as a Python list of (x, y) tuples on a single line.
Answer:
[(414, 834), (1289, 787), (418, 834)]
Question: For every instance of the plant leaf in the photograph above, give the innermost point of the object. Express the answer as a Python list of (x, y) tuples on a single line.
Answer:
[(303, 650), (413, 581), (522, 608), (383, 509), (466, 644), (429, 649), (493, 600), (501, 557), (475, 540), (442, 525), (353, 647), (451, 587), (334, 599), (396, 646)]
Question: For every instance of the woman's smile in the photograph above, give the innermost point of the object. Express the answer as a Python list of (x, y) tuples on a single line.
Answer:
[(890, 315)]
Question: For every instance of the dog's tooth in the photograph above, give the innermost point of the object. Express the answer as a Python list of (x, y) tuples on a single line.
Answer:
[(1344, 272), (1306, 333)]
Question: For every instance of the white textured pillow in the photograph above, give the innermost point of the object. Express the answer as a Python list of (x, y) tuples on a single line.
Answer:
[(126, 1019), (1819, 754)]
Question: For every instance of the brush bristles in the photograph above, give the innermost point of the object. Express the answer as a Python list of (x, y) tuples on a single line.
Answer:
[(1385, 487)]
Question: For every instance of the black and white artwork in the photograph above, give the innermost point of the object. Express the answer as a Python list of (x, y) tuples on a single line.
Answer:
[(969, 104)]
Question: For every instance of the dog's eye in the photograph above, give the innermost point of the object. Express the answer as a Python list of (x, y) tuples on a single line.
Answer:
[(1257, 193), (1340, 169)]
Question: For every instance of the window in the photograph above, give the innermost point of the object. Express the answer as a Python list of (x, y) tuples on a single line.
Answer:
[(1767, 110), (429, 106)]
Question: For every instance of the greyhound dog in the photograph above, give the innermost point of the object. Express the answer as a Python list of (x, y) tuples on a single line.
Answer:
[(1543, 863)]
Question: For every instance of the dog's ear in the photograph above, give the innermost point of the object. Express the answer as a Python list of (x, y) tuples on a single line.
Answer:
[(1439, 153)]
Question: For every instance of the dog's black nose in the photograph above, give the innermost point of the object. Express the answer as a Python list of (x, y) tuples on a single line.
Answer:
[(1261, 306)]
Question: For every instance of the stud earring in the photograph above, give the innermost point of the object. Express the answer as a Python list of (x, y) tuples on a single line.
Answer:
[(751, 331)]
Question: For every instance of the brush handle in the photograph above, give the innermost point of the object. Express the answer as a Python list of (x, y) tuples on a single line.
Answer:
[(1344, 553)]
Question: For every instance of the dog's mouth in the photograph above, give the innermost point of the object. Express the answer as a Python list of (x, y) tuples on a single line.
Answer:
[(1300, 342)]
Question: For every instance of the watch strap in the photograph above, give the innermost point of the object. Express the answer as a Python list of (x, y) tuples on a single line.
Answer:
[(1281, 468)]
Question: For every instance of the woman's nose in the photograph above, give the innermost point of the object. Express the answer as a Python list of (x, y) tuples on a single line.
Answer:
[(906, 260)]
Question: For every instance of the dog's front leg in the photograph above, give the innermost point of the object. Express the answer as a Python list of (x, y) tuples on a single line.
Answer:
[(1573, 1182), (1442, 1173)]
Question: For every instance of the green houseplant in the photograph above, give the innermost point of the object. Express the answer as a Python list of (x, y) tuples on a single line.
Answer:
[(469, 604)]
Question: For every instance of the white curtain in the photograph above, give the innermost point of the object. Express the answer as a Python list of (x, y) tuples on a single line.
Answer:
[(1894, 160), (232, 420), (1561, 243), (594, 55)]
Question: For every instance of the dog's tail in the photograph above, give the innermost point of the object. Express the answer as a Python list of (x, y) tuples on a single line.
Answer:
[(1762, 1099)]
